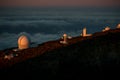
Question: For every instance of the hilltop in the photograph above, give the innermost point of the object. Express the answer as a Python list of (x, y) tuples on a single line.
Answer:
[(92, 56)]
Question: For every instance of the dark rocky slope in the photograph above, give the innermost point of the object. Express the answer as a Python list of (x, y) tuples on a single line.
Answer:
[(94, 57)]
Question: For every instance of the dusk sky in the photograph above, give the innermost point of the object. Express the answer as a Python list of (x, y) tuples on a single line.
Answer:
[(46, 3)]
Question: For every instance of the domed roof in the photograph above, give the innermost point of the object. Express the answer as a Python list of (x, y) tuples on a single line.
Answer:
[(23, 42), (106, 29), (64, 34), (118, 26)]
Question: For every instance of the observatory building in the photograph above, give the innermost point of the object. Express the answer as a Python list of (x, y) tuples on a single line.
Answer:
[(84, 33), (23, 42), (118, 26), (64, 39), (106, 29)]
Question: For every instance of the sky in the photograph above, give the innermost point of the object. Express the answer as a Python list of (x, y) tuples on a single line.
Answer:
[(47, 3)]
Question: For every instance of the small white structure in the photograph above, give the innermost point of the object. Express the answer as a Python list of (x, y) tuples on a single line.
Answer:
[(84, 33), (23, 42), (10, 56), (15, 50), (69, 37), (118, 26), (64, 39), (106, 29)]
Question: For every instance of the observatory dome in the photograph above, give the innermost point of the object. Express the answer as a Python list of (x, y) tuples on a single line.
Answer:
[(23, 42)]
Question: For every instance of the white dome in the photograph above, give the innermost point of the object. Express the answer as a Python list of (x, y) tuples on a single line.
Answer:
[(118, 26), (107, 28), (23, 42), (64, 34)]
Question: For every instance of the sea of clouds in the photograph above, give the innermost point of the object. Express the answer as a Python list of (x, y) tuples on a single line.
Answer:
[(42, 25), (9, 40)]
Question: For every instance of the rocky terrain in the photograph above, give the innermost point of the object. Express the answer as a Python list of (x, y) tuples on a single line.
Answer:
[(93, 57)]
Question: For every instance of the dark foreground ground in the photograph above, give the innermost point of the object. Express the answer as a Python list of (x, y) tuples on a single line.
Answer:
[(95, 57)]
